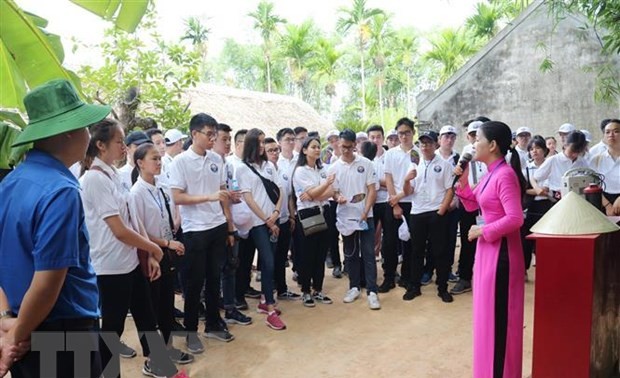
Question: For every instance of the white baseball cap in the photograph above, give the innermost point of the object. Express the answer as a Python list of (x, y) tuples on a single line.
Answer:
[(332, 133), (524, 130), (587, 134), (474, 126), (566, 128), (448, 129), (361, 135), (173, 135), (393, 133)]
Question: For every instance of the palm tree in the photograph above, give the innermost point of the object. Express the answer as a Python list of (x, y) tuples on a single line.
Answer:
[(484, 23), (450, 50), (267, 24), (405, 49), (380, 33), (324, 63), (197, 34), (297, 46), (358, 18)]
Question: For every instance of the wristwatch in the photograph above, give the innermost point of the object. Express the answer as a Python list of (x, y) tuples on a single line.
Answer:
[(7, 314)]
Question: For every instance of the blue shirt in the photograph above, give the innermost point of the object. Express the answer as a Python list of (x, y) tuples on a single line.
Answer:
[(42, 228)]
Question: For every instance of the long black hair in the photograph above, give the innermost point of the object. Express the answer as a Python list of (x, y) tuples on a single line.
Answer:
[(502, 135), (251, 147), (538, 141)]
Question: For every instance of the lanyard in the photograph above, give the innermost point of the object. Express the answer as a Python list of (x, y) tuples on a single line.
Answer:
[(157, 201), (491, 174), (426, 165)]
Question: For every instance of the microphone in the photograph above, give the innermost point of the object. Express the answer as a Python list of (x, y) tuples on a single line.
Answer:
[(465, 159)]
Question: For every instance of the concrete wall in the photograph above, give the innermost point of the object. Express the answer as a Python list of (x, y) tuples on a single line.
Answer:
[(504, 82)]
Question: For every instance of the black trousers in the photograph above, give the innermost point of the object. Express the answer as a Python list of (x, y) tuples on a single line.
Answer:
[(162, 294), (311, 258), (379, 212), (244, 270), (429, 227), (30, 365), (536, 211), (332, 234), (468, 248), (120, 293), (205, 253), (391, 240), (284, 241)]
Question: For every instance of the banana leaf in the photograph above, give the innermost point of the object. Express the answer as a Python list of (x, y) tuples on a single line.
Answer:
[(126, 18)]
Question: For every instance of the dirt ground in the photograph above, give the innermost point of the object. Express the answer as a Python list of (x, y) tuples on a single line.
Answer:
[(423, 338)]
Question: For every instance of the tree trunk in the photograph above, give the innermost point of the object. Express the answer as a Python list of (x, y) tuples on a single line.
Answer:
[(408, 94), (363, 82), (381, 102), (268, 74)]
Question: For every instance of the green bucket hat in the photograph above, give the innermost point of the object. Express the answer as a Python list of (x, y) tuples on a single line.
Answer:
[(55, 108)]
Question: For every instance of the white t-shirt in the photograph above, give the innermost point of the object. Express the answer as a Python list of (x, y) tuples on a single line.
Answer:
[(604, 164), (104, 197), (150, 207), (305, 178), (452, 159), (523, 157), (379, 164), (285, 172), (434, 178), (554, 168), (597, 149), (199, 175), (477, 170), (248, 180), (352, 179), (529, 173), (398, 163), (125, 175)]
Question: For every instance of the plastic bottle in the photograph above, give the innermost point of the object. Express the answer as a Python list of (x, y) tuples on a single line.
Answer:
[(235, 185)]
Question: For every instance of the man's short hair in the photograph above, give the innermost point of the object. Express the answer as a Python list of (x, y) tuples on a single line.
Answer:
[(201, 120), (282, 132)]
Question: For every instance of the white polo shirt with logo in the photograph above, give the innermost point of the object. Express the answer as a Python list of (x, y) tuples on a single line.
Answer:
[(434, 178), (248, 180), (379, 164), (353, 179), (398, 162), (199, 175), (305, 178)]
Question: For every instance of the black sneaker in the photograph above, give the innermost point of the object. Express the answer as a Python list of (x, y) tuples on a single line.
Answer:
[(411, 293), (289, 296), (177, 327), (194, 345), (307, 300), (126, 351), (236, 317), (150, 371), (386, 286), (463, 286), (337, 272), (322, 298), (219, 334), (179, 357), (445, 297), (252, 293), (241, 304), (178, 313)]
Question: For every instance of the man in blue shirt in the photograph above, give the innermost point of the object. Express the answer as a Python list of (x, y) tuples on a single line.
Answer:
[(47, 282)]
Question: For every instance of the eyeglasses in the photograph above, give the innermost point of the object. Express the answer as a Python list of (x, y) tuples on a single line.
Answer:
[(347, 148), (273, 151), (208, 134), (288, 140), (405, 133)]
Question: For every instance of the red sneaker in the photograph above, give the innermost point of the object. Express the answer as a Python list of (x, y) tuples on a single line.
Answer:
[(263, 309), (273, 321)]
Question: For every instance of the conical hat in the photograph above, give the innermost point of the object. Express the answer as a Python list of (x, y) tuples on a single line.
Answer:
[(573, 215)]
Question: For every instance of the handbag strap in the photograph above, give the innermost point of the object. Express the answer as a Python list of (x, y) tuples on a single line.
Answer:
[(167, 204), (262, 178)]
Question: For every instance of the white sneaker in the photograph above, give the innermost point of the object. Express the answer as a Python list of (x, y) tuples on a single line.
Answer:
[(373, 301), (351, 295)]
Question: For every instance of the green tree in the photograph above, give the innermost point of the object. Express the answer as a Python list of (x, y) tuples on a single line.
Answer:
[(197, 34), (358, 18), (143, 75), (296, 45), (325, 63), (380, 34), (450, 50), (485, 23), (266, 22)]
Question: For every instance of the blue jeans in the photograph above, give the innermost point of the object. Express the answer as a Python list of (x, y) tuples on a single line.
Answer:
[(266, 254), (361, 245)]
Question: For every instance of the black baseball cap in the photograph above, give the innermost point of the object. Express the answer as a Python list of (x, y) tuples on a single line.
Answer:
[(137, 138), (432, 135)]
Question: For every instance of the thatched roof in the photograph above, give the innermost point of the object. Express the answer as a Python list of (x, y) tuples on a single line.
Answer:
[(242, 109)]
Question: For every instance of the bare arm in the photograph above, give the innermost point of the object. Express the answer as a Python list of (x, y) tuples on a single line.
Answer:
[(182, 198), (445, 204), (370, 199), (132, 238)]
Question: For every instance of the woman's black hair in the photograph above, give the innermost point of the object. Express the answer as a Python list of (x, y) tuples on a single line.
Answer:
[(502, 135), (139, 154), (369, 150), (577, 142), (538, 141), (102, 131), (302, 159), (251, 147)]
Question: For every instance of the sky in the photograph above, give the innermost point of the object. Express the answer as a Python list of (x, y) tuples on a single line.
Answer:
[(228, 18)]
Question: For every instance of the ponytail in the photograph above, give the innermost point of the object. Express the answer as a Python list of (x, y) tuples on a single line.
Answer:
[(515, 163), (102, 131)]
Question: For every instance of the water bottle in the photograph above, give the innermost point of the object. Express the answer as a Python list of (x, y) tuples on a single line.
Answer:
[(235, 185), (273, 238), (363, 225)]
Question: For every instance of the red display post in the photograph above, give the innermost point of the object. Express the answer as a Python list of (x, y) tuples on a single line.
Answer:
[(576, 306)]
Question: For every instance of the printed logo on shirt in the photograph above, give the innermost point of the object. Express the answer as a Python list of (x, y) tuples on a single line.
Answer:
[(269, 171), (323, 175), (213, 167), (285, 177), (229, 174), (437, 168), (360, 169)]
